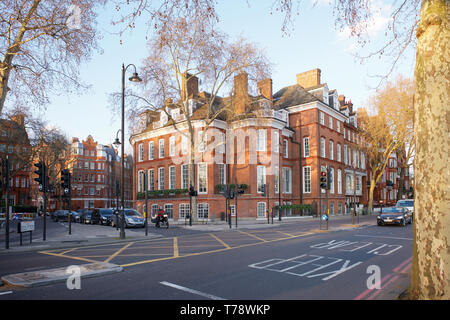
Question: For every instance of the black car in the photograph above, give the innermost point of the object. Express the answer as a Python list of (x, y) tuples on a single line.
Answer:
[(62, 215), (90, 217), (106, 215), (394, 215)]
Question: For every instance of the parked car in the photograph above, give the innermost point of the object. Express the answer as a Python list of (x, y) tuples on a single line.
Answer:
[(90, 217), (106, 215), (406, 203), (394, 215), (132, 219), (63, 215)]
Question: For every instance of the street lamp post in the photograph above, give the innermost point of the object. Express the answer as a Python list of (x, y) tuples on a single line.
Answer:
[(133, 78)]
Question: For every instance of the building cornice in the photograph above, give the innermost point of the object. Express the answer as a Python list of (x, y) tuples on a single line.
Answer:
[(317, 105)]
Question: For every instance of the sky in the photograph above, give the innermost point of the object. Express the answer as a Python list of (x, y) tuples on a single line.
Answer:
[(313, 42)]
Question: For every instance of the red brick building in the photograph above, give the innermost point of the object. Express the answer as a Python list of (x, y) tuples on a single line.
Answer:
[(14, 142), (282, 140), (95, 172)]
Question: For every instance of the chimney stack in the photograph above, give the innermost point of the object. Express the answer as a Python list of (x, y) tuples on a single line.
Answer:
[(309, 78), (265, 88), (240, 93), (189, 88), (19, 119), (341, 100)]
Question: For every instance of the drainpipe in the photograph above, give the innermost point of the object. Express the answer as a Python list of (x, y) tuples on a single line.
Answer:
[(299, 143)]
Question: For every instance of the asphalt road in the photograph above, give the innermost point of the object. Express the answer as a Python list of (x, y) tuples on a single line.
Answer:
[(286, 262)]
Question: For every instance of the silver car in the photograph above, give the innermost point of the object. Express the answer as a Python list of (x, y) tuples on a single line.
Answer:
[(132, 219)]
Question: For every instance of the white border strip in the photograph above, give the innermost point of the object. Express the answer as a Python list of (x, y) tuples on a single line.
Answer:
[(206, 295)]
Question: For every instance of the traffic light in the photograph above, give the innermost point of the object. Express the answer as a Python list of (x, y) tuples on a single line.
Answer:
[(263, 190), (240, 189), (329, 178), (40, 172), (4, 181), (65, 180), (192, 191), (323, 180)]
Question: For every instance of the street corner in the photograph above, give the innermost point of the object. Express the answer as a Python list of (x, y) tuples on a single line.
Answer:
[(57, 275)]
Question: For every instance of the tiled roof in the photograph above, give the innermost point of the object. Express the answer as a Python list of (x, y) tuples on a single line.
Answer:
[(292, 96)]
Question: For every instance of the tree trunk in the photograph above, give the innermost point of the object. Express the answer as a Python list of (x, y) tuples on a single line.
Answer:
[(371, 189), (192, 179), (401, 183), (431, 257)]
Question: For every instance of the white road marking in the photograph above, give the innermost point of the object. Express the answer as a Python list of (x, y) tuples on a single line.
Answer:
[(206, 295), (6, 292), (384, 237)]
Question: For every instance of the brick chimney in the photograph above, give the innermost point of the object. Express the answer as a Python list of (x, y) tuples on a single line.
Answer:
[(309, 78), (240, 93), (265, 88), (341, 100), (191, 87), (19, 119)]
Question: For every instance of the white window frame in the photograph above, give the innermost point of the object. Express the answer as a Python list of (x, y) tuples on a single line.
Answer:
[(277, 179), (201, 142), (306, 150), (287, 179), (200, 167), (151, 154), (307, 179), (338, 153), (260, 177), (222, 173), (172, 146), (263, 207), (276, 142), (322, 147), (261, 140), (285, 148), (185, 179), (161, 148), (331, 146), (322, 118), (184, 144), (201, 207), (141, 152), (183, 209), (151, 179), (161, 183), (332, 171), (339, 181), (172, 178)]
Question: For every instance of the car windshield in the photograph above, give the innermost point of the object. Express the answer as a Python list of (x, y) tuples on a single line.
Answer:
[(131, 212), (405, 203), (106, 212), (392, 210)]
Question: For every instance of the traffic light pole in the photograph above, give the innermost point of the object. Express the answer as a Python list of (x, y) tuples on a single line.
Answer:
[(44, 188), (70, 204), (6, 176)]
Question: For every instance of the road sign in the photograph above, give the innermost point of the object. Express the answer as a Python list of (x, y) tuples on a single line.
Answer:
[(324, 217)]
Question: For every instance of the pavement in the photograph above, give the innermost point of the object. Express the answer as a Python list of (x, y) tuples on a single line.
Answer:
[(88, 235)]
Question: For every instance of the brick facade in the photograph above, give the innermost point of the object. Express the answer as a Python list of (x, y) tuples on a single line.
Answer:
[(302, 117)]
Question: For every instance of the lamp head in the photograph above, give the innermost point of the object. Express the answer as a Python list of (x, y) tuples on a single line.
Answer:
[(135, 77), (117, 143)]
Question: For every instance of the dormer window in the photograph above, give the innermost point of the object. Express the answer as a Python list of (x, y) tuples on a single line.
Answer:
[(325, 94), (163, 117)]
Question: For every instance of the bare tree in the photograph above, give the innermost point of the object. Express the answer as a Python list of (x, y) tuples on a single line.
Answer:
[(185, 50), (42, 44)]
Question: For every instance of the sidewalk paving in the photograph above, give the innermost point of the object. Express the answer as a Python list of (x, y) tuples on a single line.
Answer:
[(51, 276), (84, 235)]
